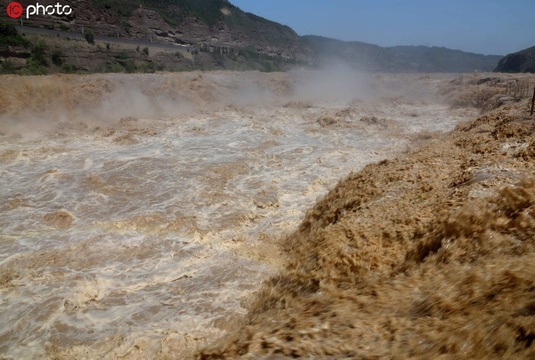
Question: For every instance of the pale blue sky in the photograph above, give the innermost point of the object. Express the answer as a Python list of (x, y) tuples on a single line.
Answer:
[(495, 27)]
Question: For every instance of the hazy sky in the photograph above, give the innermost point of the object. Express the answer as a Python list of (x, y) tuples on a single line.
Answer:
[(495, 27)]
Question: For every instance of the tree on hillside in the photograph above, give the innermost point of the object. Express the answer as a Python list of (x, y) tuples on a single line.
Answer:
[(90, 37), (10, 36)]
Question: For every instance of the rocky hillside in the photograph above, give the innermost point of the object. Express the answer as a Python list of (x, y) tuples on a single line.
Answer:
[(522, 61), (215, 23)]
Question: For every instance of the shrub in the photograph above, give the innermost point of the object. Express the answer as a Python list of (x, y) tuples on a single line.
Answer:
[(68, 68), (7, 67), (57, 58), (90, 37), (123, 55), (146, 51), (130, 66), (9, 36), (113, 67), (33, 67), (38, 53), (150, 67)]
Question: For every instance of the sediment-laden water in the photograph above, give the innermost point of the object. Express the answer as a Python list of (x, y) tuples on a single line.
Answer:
[(139, 213)]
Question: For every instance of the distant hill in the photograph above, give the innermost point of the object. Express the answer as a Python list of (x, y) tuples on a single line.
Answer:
[(399, 58), (359, 55), (519, 62), (441, 59)]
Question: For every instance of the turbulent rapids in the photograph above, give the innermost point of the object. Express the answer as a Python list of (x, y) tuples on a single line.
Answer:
[(153, 216)]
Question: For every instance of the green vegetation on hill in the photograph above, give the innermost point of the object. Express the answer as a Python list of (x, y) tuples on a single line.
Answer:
[(519, 62), (9, 36)]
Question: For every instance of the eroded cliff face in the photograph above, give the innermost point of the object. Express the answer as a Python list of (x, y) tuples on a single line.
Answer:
[(232, 27)]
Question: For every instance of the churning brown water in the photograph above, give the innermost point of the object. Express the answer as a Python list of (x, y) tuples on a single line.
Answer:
[(140, 214)]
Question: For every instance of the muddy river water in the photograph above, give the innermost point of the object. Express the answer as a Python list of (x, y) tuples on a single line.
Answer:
[(142, 233)]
